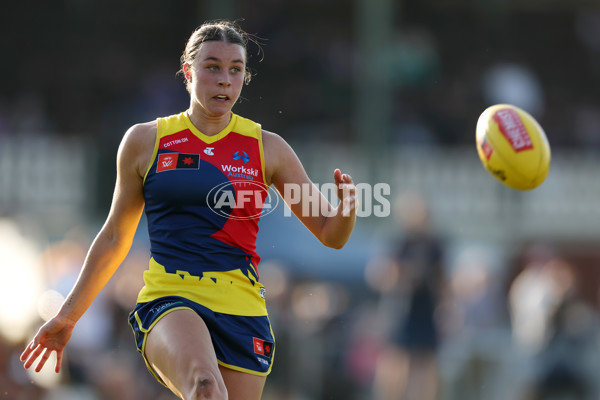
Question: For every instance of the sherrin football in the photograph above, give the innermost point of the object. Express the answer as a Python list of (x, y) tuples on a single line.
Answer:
[(512, 146)]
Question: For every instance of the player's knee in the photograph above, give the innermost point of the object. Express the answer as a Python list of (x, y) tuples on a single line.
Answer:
[(207, 386)]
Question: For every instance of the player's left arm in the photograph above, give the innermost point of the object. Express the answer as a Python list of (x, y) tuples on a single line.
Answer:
[(331, 225)]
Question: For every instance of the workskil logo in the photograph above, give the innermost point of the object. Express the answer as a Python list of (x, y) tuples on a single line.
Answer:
[(242, 199), (241, 155), (240, 172)]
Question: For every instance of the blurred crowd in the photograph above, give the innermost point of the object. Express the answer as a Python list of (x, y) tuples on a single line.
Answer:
[(96, 67), (428, 321), (431, 318)]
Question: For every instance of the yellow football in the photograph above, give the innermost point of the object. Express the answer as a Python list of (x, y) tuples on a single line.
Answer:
[(513, 147)]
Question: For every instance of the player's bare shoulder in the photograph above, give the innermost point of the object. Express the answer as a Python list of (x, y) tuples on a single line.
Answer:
[(279, 156), (142, 134), (275, 148), (271, 140), (137, 145)]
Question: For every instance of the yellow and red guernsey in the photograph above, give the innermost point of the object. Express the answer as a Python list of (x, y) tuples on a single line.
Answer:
[(204, 196)]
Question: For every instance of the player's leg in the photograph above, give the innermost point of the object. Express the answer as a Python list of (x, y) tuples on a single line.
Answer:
[(241, 385), (180, 351)]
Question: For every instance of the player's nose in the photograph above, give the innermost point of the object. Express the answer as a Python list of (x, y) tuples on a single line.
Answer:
[(224, 80)]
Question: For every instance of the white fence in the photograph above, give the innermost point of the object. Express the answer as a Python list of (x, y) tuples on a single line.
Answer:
[(46, 177)]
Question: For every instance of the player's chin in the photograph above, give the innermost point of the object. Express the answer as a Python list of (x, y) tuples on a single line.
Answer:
[(220, 109)]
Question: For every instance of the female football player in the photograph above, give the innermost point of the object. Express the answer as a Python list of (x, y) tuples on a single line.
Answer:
[(202, 176)]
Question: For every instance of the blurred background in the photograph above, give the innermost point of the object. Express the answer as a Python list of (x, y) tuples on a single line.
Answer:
[(467, 290)]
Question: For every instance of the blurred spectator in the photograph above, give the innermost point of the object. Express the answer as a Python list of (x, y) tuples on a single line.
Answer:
[(366, 345), (414, 58), (516, 84), (557, 327), (408, 367), (477, 341)]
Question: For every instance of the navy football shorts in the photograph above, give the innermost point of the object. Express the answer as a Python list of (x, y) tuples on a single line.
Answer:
[(241, 343)]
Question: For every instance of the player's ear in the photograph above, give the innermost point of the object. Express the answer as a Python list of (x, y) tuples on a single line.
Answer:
[(187, 72)]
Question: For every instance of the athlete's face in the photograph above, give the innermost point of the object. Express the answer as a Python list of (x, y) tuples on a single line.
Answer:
[(216, 77)]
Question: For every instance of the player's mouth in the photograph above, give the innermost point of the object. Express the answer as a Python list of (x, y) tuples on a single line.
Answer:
[(221, 97)]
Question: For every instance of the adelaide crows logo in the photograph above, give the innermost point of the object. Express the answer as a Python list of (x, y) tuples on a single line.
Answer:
[(173, 161), (241, 155)]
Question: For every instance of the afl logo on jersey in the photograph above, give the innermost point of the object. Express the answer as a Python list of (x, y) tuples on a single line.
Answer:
[(241, 155)]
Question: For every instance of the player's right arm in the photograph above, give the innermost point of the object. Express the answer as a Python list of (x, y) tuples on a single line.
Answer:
[(108, 250)]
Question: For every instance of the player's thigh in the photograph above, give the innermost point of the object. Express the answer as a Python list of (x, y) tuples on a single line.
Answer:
[(241, 385), (179, 349)]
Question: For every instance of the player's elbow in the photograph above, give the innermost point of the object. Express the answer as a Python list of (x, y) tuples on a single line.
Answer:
[(335, 232), (334, 243), (115, 237)]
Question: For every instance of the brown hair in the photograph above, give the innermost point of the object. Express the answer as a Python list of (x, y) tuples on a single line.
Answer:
[(215, 31)]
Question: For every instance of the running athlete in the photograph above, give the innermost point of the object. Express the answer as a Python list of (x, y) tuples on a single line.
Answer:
[(201, 322)]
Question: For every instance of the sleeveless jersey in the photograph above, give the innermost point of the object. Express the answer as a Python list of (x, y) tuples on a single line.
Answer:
[(203, 198)]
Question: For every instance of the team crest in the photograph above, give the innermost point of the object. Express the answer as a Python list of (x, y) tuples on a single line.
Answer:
[(171, 161), (263, 347)]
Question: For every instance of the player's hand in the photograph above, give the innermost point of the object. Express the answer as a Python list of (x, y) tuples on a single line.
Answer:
[(346, 192), (52, 336)]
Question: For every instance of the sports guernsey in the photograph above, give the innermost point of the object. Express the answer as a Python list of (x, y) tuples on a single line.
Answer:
[(204, 195)]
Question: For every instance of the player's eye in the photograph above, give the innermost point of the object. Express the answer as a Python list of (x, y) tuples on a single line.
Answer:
[(236, 70), (212, 68)]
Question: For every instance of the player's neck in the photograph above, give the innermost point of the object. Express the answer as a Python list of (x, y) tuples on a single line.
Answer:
[(208, 124)]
